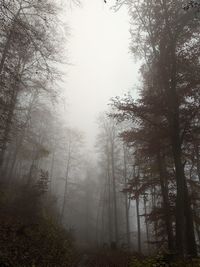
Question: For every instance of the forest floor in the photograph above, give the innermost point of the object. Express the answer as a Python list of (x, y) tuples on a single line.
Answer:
[(105, 258), (111, 258)]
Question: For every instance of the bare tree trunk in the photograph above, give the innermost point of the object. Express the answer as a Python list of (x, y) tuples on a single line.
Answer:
[(6, 164), (166, 206), (66, 184), (138, 223), (30, 174), (97, 219), (22, 135), (126, 200), (153, 201), (8, 123), (196, 148), (103, 217), (52, 170), (114, 193), (138, 211), (110, 221), (87, 213), (146, 223), (109, 210), (9, 111)]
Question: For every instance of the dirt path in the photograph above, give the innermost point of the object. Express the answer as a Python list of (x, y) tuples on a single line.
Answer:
[(104, 259)]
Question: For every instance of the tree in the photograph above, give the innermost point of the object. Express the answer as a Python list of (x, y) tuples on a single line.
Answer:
[(73, 143), (108, 138), (28, 48), (159, 35)]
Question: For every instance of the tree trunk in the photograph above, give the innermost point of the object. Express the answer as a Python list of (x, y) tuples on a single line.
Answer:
[(22, 136), (138, 223), (166, 206), (185, 238), (52, 170), (109, 208), (6, 164), (66, 185), (126, 200), (8, 123), (103, 240), (114, 193), (196, 148), (153, 202), (146, 223), (138, 212)]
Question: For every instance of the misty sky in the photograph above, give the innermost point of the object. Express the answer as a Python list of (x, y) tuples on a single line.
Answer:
[(103, 67)]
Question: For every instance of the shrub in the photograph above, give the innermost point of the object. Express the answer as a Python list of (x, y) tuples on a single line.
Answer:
[(30, 235)]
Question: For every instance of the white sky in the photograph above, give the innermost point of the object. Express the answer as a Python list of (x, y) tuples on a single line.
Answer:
[(102, 67)]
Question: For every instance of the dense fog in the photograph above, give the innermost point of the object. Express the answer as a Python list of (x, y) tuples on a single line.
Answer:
[(99, 133)]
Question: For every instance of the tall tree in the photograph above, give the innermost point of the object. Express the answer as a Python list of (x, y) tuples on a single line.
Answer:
[(166, 37), (28, 48)]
